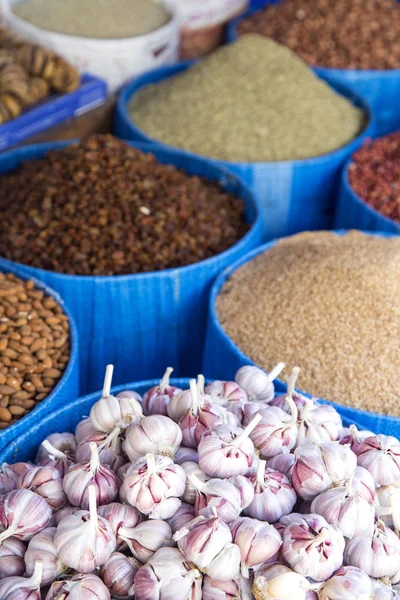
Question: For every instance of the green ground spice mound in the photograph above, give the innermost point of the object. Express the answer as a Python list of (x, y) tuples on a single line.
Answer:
[(251, 101), (329, 304)]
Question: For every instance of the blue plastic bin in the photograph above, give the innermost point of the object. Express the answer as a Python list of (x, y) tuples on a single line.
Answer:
[(67, 388), (381, 89), (223, 357), (354, 213), (294, 195), (66, 419), (142, 322)]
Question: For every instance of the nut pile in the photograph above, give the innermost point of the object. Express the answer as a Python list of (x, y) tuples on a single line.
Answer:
[(102, 207), (361, 34), (328, 303), (34, 347), (219, 492), (250, 101), (375, 175)]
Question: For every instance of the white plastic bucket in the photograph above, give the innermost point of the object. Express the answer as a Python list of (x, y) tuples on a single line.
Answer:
[(116, 61)]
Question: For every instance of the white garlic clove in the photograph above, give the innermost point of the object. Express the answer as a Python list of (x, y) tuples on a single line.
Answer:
[(245, 489), (257, 383), (47, 482), (23, 514), (258, 542), (274, 496), (153, 435), (79, 587), (380, 455), (383, 591), (226, 565), (283, 463), (376, 553), (12, 552), (22, 588), (118, 574), (120, 515), (146, 538), (318, 422), (279, 583), (348, 583), (183, 515), (156, 400), (235, 589), (41, 547)]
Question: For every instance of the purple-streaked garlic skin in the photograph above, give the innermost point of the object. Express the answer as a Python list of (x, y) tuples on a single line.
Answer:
[(318, 422), (383, 591), (47, 482), (57, 450), (84, 430), (41, 547), (380, 455), (258, 384), (258, 542), (283, 463), (118, 574), (321, 465), (12, 552), (168, 575), (156, 400), (146, 538), (184, 454), (153, 435), (109, 447), (183, 515), (11, 474), (377, 554), (276, 433), (245, 489), (229, 395), (23, 514), (311, 546), (216, 496), (22, 588), (226, 565), (350, 506), (348, 583), (278, 582), (235, 589), (189, 495), (63, 512), (79, 587), (274, 496), (353, 437), (120, 515)]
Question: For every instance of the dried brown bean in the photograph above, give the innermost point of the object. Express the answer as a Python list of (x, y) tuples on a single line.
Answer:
[(17, 411), (5, 415)]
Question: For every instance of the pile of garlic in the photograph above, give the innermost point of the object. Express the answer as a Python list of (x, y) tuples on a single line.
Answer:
[(225, 491)]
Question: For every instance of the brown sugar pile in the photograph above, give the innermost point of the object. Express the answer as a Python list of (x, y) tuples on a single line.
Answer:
[(329, 304)]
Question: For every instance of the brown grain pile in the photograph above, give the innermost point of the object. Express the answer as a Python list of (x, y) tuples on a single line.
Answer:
[(34, 347), (329, 304)]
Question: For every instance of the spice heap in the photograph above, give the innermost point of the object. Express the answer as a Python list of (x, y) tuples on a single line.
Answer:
[(329, 303), (34, 347), (360, 34), (102, 207), (199, 498), (251, 101), (375, 175), (28, 74), (94, 18)]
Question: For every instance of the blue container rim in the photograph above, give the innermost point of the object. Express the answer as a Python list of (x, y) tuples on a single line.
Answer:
[(41, 408), (360, 201), (16, 444), (213, 316), (232, 35), (245, 190), (162, 73)]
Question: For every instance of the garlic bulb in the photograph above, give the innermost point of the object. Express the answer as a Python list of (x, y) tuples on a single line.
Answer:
[(22, 588), (311, 547), (350, 505), (317, 422), (93, 474), (227, 451), (218, 495), (376, 553), (120, 515), (41, 547), (258, 384), (111, 411), (273, 495), (84, 540), (380, 455), (245, 489), (130, 394), (283, 463), (235, 589), (63, 512), (58, 450), (118, 574), (183, 515), (168, 575), (153, 435), (383, 591), (23, 514), (348, 583), (352, 437), (109, 448), (389, 504), (79, 587), (229, 395), (277, 582), (156, 400), (277, 431), (12, 552), (10, 475), (258, 541), (320, 465), (84, 430), (154, 485), (146, 538), (190, 493), (47, 482), (184, 454)]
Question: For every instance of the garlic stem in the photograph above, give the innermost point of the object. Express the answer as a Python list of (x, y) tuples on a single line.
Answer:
[(7, 533), (309, 405), (151, 464), (294, 412), (107, 381), (273, 374), (292, 381), (197, 483), (53, 452), (164, 383), (93, 506), (245, 434), (36, 579), (200, 383), (94, 461), (195, 401), (110, 438), (261, 473), (321, 537)]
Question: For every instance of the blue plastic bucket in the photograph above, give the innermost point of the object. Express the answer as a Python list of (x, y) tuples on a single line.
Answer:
[(378, 88), (222, 356), (354, 213), (65, 419), (142, 322), (67, 388), (294, 195)]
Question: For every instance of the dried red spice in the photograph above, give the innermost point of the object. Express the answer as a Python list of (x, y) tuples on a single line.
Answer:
[(375, 175)]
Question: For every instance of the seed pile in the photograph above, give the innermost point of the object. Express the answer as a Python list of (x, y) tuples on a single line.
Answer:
[(360, 34), (329, 304), (94, 18), (102, 208), (375, 175), (253, 100), (34, 347)]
